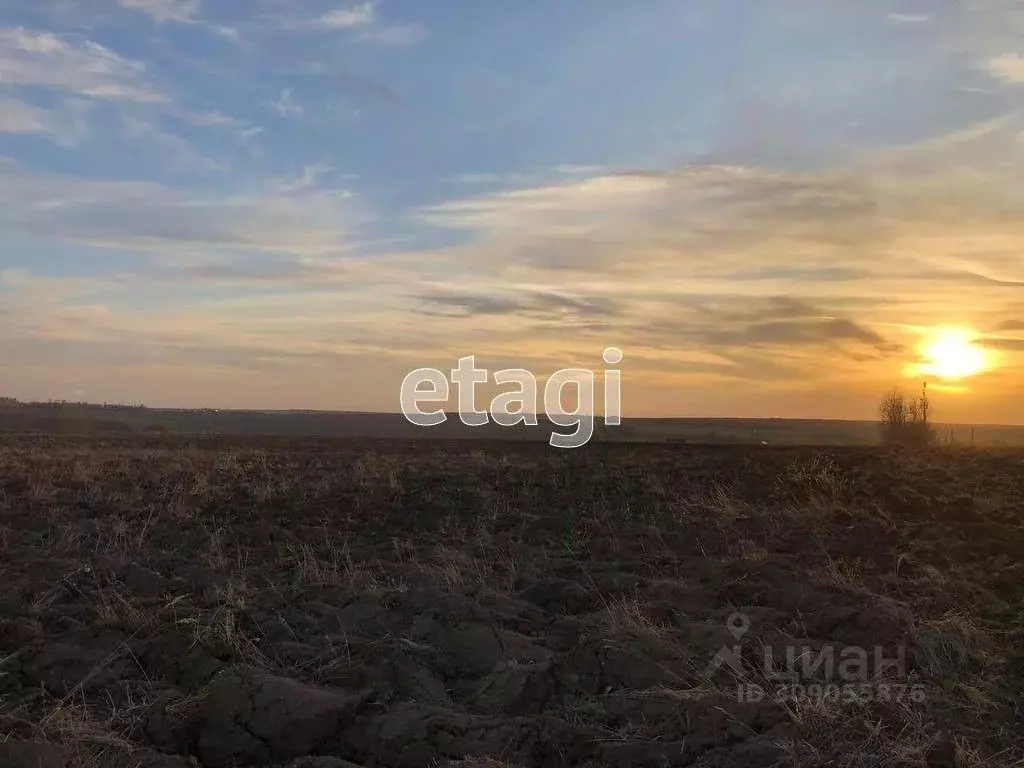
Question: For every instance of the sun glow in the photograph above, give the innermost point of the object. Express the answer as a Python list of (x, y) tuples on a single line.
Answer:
[(950, 353)]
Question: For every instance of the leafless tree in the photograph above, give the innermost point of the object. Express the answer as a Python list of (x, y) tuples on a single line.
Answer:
[(905, 421)]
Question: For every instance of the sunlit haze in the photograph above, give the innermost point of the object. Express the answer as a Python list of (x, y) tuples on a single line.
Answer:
[(951, 353), (784, 208)]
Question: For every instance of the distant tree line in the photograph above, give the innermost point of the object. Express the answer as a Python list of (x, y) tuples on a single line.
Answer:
[(11, 402)]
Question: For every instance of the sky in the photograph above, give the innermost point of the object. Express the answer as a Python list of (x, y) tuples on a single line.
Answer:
[(769, 208)]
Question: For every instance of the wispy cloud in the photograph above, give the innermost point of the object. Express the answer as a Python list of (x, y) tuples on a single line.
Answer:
[(554, 209), (19, 117), (1009, 67), (304, 181), (65, 125), (903, 236), (322, 274), (909, 18), (524, 303), (34, 289), (229, 33), (150, 217), (214, 119), (82, 67), (178, 150), (248, 134), (285, 104), (790, 332), (364, 19), (165, 10), (346, 18), (397, 35)]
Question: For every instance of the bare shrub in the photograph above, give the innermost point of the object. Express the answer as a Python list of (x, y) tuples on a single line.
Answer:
[(905, 421)]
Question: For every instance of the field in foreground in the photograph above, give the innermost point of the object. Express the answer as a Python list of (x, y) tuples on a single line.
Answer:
[(174, 604)]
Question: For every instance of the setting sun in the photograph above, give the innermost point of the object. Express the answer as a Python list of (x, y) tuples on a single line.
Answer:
[(950, 353)]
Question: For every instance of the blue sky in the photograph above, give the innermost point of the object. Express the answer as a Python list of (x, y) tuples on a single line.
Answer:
[(290, 204)]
